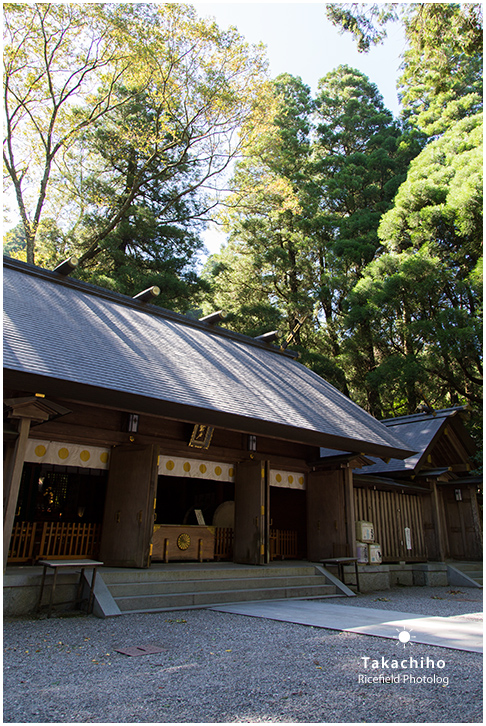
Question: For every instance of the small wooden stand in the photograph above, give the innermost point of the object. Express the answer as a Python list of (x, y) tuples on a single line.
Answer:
[(55, 565)]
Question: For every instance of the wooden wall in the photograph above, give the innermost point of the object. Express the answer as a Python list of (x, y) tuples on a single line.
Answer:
[(107, 427), (390, 513), (464, 536)]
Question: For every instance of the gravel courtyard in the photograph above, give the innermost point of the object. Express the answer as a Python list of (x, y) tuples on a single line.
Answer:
[(220, 667)]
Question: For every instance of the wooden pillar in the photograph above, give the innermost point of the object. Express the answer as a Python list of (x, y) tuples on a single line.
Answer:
[(350, 514), (14, 465), (442, 545)]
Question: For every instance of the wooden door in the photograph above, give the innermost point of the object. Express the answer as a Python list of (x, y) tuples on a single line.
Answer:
[(462, 533), (251, 544), (128, 520), (326, 515)]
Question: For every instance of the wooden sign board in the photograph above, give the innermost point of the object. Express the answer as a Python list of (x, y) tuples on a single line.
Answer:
[(199, 517), (201, 436)]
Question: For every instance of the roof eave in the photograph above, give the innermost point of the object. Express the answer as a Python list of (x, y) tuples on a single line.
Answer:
[(123, 401)]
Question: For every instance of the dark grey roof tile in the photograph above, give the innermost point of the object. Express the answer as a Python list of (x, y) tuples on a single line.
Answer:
[(68, 330)]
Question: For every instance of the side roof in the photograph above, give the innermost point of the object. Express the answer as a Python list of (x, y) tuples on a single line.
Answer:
[(71, 339), (420, 431)]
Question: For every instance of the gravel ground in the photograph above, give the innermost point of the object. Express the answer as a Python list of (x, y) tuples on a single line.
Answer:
[(223, 668)]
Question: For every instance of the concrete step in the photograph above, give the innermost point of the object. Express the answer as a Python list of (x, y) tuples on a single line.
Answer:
[(168, 587), (465, 574), (177, 586), (473, 573), (171, 573), (201, 598), (466, 566)]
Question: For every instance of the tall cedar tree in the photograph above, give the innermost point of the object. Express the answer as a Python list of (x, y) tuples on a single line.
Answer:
[(421, 297), (315, 188)]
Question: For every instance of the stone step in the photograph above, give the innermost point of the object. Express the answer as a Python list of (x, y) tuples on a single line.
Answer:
[(168, 587), (475, 574), (465, 574), (467, 566), (136, 603), (165, 573)]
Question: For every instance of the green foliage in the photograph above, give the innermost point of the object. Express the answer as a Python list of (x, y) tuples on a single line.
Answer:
[(442, 64), (425, 332), (441, 200), (120, 121), (365, 21), (416, 311), (14, 243), (305, 210), (267, 210), (442, 67)]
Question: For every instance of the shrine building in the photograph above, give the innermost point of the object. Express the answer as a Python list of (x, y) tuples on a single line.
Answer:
[(137, 435)]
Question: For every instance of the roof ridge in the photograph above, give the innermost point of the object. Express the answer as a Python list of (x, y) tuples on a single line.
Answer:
[(413, 417), (105, 293)]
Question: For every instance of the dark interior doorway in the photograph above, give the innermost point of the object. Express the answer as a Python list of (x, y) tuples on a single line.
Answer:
[(288, 514), (179, 497), (61, 493)]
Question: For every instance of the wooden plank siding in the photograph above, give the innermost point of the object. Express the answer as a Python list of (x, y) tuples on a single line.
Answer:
[(391, 513)]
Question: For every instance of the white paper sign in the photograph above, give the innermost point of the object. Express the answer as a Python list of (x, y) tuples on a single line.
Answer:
[(408, 538)]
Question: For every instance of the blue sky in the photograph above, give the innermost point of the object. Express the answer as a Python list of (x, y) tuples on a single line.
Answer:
[(301, 41)]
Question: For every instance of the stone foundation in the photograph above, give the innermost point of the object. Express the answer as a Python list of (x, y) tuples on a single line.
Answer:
[(21, 587), (383, 577)]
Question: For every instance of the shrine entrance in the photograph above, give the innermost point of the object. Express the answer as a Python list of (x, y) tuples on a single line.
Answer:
[(188, 521), (246, 513)]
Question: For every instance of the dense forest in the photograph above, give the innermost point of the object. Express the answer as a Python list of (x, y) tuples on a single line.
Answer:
[(357, 236)]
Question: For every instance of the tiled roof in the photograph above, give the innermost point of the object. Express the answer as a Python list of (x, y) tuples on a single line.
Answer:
[(418, 431), (64, 330)]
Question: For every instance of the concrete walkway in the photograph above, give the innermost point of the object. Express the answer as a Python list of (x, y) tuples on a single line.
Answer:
[(452, 632)]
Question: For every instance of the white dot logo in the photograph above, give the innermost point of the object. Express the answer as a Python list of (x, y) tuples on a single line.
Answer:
[(404, 636)]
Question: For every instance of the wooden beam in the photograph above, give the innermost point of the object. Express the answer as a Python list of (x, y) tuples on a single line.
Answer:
[(350, 515), (439, 528), (12, 481)]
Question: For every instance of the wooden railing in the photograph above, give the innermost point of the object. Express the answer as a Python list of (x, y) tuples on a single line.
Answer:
[(60, 540), (22, 542), (223, 543), (68, 540), (283, 544)]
